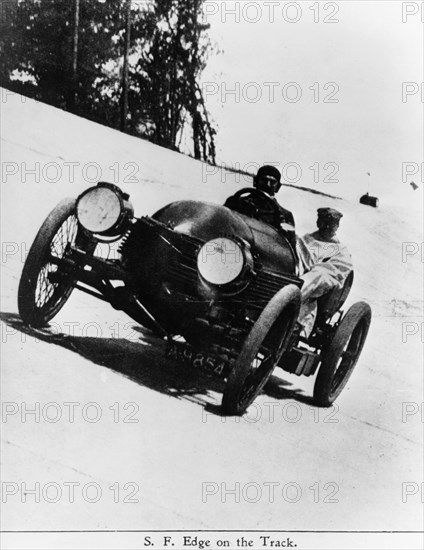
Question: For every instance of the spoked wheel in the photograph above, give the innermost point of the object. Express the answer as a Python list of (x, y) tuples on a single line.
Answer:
[(340, 358), (263, 348), (42, 289)]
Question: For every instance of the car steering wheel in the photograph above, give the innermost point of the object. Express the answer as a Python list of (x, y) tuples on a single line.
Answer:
[(245, 194)]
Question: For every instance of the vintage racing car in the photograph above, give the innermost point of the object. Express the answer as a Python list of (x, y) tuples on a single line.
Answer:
[(219, 285)]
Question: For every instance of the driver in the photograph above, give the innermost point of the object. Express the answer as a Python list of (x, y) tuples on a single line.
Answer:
[(267, 180), (325, 264)]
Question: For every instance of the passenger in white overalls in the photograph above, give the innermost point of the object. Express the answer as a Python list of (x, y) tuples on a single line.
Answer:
[(325, 264)]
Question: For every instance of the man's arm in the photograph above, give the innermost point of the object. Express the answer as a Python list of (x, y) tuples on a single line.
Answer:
[(286, 223), (285, 216)]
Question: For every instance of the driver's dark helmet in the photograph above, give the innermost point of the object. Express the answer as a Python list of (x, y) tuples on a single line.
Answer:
[(268, 179)]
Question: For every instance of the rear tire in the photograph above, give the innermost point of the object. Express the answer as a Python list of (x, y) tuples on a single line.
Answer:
[(40, 298), (263, 348), (341, 356)]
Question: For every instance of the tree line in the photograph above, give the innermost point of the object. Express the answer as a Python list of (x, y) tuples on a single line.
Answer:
[(129, 64)]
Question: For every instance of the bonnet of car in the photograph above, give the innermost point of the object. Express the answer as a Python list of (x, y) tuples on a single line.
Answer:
[(207, 221), (204, 220)]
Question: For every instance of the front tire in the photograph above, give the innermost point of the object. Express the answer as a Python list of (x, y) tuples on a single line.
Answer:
[(263, 348), (341, 356), (39, 297)]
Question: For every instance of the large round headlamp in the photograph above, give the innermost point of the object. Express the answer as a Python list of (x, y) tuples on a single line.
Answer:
[(221, 261), (104, 210)]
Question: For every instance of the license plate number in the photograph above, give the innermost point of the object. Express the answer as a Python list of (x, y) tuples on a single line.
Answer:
[(197, 359)]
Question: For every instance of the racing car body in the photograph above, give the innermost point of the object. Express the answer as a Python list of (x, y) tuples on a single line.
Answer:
[(219, 285)]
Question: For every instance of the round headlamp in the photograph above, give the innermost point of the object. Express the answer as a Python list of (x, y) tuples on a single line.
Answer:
[(221, 261), (104, 210)]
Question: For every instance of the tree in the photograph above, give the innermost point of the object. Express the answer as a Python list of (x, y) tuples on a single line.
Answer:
[(133, 66), (125, 83), (172, 58), (57, 47)]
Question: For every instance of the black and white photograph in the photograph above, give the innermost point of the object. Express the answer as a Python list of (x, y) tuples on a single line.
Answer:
[(212, 284)]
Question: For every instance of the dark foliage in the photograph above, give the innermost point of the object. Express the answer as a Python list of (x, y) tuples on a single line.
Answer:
[(168, 49)]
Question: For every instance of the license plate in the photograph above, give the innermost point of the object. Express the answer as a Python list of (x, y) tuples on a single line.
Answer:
[(207, 362)]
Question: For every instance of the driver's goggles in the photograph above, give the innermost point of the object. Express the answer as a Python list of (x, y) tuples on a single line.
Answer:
[(267, 179)]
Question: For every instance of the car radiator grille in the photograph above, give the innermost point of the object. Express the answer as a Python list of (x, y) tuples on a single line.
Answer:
[(184, 275), (265, 286), (182, 272)]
